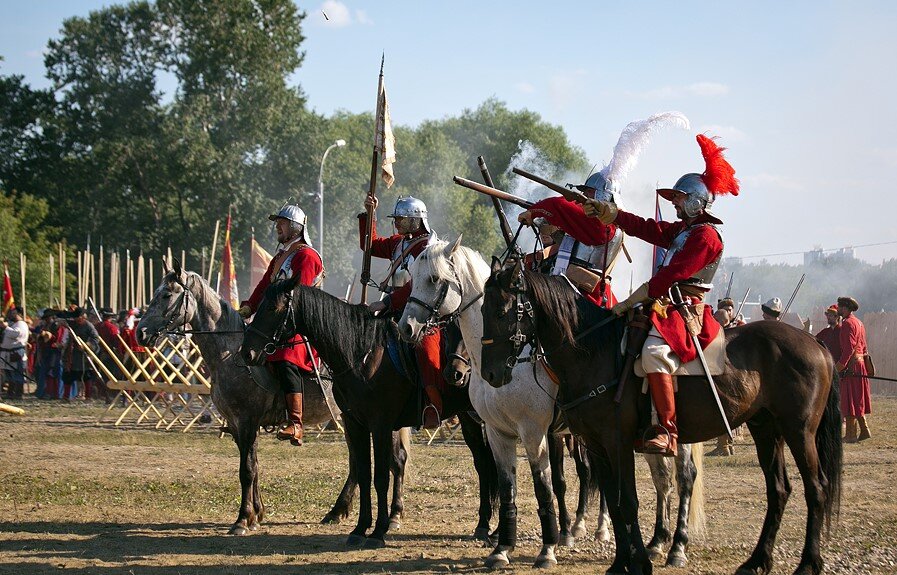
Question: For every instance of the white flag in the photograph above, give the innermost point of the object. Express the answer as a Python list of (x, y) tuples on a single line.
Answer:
[(386, 141)]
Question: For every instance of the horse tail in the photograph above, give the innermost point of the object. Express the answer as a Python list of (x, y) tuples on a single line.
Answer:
[(831, 453), (697, 518)]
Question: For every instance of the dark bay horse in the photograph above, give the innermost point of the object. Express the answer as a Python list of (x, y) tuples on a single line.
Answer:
[(778, 380), (371, 391), (248, 398)]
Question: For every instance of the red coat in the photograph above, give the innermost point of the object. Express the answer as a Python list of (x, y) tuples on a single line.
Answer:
[(830, 337), (856, 396), (385, 247), (569, 217), (702, 247), (307, 264)]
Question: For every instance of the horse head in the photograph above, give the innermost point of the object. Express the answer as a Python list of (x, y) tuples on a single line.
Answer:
[(173, 306), (457, 368), (436, 290), (508, 321), (271, 326)]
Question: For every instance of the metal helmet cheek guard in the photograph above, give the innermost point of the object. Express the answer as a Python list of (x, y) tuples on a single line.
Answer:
[(598, 187), (697, 197), (701, 189), (294, 214)]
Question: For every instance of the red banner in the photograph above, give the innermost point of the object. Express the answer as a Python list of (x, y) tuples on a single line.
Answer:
[(260, 260), (228, 291), (9, 300)]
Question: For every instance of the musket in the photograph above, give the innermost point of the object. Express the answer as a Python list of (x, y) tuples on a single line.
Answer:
[(683, 310), (743, 301), (496, 203), (493, 192), (729, 288), (571, 195), (793, 295), (372, 194)]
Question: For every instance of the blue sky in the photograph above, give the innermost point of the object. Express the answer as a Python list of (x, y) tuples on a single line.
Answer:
[(802, 93)]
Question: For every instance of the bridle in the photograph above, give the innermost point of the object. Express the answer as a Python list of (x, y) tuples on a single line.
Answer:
[(435, 321), (275, 341), (522, 307)]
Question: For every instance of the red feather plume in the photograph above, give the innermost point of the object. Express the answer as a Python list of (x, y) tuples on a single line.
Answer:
[(719, 177)]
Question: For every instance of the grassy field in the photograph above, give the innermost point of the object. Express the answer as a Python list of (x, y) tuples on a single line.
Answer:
[(82, 498)]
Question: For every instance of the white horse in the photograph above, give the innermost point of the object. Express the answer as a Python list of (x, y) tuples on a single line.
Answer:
[(448, 279)]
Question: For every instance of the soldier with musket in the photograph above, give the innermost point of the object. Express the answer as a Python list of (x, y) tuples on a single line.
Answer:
[(293, 364), (413, 235), (694, 248)]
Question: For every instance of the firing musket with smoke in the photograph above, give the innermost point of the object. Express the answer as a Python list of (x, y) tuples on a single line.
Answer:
[(492, 192), (569, 194)]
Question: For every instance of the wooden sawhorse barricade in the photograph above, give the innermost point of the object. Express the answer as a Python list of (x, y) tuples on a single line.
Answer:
[(165, 386)]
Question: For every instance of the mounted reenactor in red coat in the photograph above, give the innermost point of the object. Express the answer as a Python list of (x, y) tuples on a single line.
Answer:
[(292, 365), (401, 249), (694, 249)]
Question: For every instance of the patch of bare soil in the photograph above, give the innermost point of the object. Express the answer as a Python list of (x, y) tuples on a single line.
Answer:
[(94, 499)]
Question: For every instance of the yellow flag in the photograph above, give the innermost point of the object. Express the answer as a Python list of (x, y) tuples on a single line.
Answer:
[(386, 141)]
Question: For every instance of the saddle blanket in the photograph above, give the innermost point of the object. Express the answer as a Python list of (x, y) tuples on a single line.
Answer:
[(715, 354)]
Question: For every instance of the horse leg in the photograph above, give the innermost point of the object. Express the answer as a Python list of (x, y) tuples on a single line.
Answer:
[(383, 453), (245, 437), (639, 561), (770, 454), (360, 451), (662, 475), (559, 486), (803, 448), (602, 532), (484, 464), (610, 493), (401, 442), (686, 472), (584, 475), (257, 504), (540, 466), (343, 503), (504, 449)]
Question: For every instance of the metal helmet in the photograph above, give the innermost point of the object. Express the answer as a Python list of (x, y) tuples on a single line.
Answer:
[(411, 207), (597, 186), (294, 214), (698, 197)]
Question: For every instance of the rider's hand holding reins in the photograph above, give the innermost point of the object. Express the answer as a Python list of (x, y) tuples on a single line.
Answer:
[(606, 212), (526, 218), (245, 311), (638, 296)]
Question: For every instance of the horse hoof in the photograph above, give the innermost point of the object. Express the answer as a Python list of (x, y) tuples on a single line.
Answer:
[(579, 530), (602, 535), (355, 540), (254, 526), (481, 534), (497, 561), (331, 519), (237, 530), (394, 524), (545, 562), (747, 571), (374, 543), (567, 541), (655, 553), (676, 561)]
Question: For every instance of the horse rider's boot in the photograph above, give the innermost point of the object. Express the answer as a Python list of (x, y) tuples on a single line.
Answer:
[(293, 431), (661, 386), (864, 429), (428, 364), (723, 447), (850, 429)]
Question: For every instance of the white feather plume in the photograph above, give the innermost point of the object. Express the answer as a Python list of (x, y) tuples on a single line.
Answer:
[(634, 137)]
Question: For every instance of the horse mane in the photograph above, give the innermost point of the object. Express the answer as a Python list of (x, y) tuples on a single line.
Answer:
[(349, 329), (565, 309), (467, 263)]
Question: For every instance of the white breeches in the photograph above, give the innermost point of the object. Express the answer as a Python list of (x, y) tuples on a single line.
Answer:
[(657, 356)]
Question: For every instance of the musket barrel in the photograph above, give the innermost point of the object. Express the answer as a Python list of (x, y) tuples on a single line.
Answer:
[(493, 192), (571, 195), (496, 204)]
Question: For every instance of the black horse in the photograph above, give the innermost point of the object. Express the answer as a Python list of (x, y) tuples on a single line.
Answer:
[(777, 379), (375, 396)]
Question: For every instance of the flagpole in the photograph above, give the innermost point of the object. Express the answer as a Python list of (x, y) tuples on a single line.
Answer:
[(212, 256), (61, 276), (50, 292), (80, 286), (23, 266), (102, 279), (372, 192)]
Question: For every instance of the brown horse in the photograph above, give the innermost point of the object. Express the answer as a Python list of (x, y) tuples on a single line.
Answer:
[(778, 380)]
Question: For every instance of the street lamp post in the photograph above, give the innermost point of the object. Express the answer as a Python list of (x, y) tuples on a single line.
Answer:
[(336, 144)]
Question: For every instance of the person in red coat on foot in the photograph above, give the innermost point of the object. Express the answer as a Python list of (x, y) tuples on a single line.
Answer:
[(413, 235), (293, 364), (856, 393), (694, 248)]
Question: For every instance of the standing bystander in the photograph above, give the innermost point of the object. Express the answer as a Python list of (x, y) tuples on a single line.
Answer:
[(14, 353), (856, 396)]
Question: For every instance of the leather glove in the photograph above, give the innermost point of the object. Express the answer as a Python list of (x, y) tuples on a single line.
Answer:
[(605, 212), (245, 311), (638, 296), (526, 218)]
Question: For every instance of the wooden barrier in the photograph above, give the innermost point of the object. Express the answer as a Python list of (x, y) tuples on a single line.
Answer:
[(881, 335), (166, 387)]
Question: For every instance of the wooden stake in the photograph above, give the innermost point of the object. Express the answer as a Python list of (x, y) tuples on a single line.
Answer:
[(23, 266), (62, 301), (212, 256), (102, 280), (152, 286), (80, 286), (183, 259), (50, 293), (93, 279)]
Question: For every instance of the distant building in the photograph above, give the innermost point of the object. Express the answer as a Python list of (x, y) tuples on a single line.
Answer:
[(819, 256)]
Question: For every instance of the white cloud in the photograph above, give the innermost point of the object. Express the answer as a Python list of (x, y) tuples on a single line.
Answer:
[(525, 87), (337, 14), (727, 134), (697, 89), (362, 18)]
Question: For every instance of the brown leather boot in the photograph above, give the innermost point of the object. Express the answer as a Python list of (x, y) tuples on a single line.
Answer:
[(432, 415), (850, 429), (723, 447), (293, 431), (661, 387), (864, 429)]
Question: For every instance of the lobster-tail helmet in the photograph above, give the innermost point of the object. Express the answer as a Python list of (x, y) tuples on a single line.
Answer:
[(701, 189), (411, 207), (297, 218)]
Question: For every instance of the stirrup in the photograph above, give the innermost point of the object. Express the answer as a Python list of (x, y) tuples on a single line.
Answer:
[(431, 409), (659, 430)]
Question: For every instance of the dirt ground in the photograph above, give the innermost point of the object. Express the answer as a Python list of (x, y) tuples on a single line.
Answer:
[(91, 499)]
